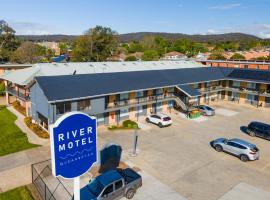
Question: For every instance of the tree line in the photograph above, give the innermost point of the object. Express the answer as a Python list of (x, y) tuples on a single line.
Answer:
[(99, 43)]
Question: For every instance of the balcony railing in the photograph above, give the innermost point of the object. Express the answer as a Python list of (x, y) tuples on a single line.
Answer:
[(17, 94), (140, 100)]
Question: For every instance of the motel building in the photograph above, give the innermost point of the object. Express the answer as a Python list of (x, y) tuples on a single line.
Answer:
[(114, 92), (263, 65)]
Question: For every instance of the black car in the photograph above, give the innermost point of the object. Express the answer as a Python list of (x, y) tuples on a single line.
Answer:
[(259, 129)]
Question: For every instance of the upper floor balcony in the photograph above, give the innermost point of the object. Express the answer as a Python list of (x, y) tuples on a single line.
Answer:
[(140, 101), (21, 94)]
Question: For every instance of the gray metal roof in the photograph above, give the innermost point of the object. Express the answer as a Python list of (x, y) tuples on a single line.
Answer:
[(70, 87), (189, 91), (25, 76)]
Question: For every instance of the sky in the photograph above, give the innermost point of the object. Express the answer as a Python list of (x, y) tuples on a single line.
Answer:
[(74, 17)]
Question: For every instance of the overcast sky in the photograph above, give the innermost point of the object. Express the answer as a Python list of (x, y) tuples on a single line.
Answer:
[(124, 16)]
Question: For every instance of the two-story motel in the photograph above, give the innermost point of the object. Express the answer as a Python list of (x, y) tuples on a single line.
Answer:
[(18, 82), (113, 97), (116, 95)]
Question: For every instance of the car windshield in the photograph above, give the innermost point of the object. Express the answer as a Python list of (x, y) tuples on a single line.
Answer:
[(208, 108), (166, 119), (95, 187)]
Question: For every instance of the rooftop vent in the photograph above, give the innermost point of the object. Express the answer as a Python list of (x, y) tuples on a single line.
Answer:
[(74, 72)]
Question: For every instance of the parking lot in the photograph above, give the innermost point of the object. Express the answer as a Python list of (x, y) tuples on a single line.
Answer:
[(181, 157)]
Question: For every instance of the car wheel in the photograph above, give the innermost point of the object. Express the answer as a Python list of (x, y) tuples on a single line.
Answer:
[(160, 125), (130, 193), (218, 148), (251, 133), (147, 120), (244, 158)]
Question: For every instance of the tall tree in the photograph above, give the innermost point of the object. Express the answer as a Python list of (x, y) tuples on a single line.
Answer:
[(237, 56), (150, 55), (8, 41), (28, 52), (97, 44)]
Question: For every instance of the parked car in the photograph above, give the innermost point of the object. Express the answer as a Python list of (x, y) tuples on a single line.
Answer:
[(240, 148), (112, 185), (259, 129), (159, 119), (206, 110)]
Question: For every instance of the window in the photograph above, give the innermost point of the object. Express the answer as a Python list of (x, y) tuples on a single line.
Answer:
[(246, 66), (236, 84), (196, 85), (124, 112), (118, 184), (231, 144), (62, 108), (159, 105), (159, 91), (108, 190), (83, 105), (250, 97), (124, 96), (139, 94), (251, 85)]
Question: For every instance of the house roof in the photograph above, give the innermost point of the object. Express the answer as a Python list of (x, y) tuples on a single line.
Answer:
[(250, 75), (71, 87), (25, 76)]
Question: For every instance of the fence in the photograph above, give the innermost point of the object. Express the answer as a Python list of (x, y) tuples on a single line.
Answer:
[(48, 186)]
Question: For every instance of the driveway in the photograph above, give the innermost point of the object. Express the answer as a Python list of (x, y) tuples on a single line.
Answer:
[(181, 158)]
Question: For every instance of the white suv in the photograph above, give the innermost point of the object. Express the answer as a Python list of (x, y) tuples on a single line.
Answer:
[(159, 119)]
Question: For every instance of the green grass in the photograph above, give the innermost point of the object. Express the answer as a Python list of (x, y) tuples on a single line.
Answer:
[(12, 139), (20, 193)]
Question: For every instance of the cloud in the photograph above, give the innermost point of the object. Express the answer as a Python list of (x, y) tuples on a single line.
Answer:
[(260, 30), (225, 6), (30, 28)]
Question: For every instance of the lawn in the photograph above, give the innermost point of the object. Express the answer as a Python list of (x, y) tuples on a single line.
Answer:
[(20, 193), (12, 139)]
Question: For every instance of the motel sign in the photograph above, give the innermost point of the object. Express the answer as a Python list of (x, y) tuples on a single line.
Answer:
[(73, 144)]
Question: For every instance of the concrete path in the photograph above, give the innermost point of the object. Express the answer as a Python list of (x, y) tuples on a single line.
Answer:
[(15, 169), (247, 192), (32, 137)]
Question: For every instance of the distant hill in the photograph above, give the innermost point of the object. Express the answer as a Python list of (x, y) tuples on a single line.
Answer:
[(197, 38), (128, 37), (49, 38)]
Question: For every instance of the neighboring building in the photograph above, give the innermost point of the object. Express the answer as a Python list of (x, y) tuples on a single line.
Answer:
[(6, 68), (17, 82), (236, 64), (174, 55), (113, 97), (51, 45), (117, 58)]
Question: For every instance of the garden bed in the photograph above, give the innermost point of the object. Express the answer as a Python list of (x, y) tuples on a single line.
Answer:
[(126, 125), (36, 128), (19, 108)]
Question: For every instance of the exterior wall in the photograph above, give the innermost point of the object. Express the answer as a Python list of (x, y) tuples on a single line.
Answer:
[(39, 103), (250, 65)]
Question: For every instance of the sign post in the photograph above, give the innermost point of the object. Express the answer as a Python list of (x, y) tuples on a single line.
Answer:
[(73, 147)]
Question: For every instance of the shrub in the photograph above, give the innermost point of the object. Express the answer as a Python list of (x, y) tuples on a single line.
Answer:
[(112, 127), (2, 88), (129, 123), (28, 121)]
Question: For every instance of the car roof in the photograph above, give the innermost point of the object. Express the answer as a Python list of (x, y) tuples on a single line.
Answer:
[(260, 123), (243, 142), (162, 115), (108, 177)]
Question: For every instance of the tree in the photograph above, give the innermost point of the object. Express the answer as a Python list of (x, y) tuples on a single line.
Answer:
[(135, 47), (150, 55), (131, 58), (97, 44), (28, 52), (8, 41), (237, 56), (216, 56)]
